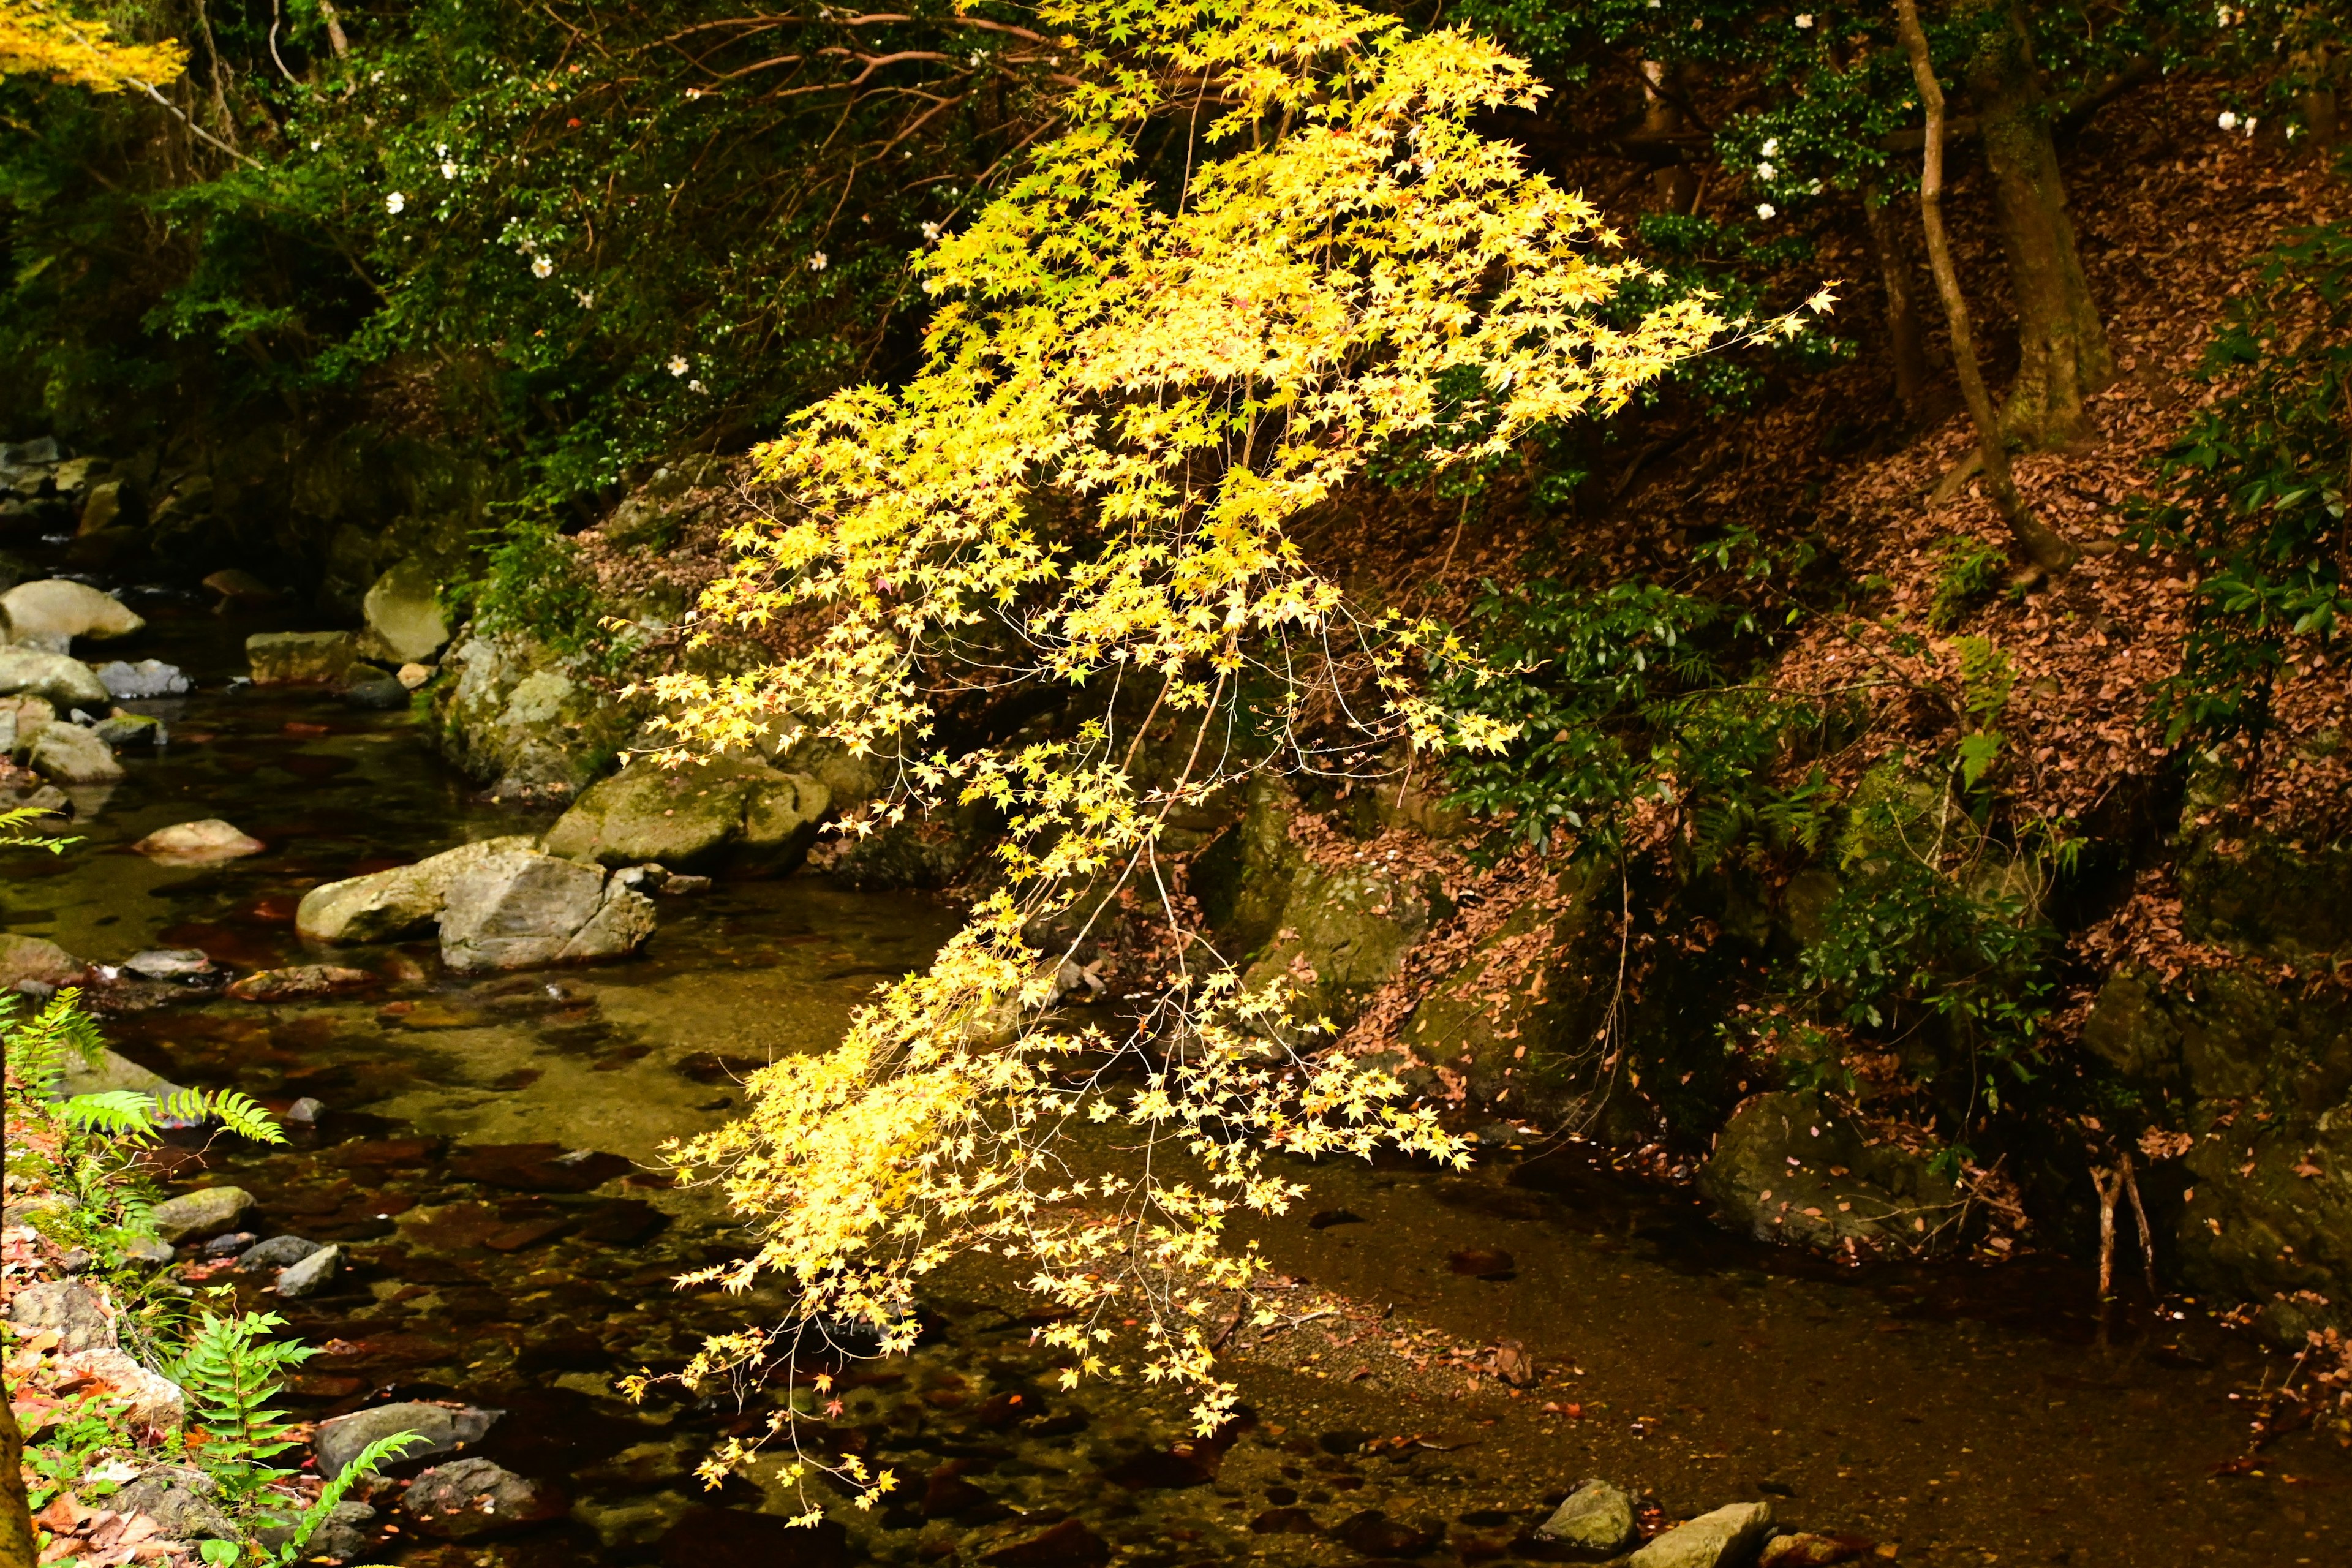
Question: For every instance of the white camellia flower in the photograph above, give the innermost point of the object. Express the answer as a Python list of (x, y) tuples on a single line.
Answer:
[(1767, 172), (2228, 120), (817, 262), (448, 170), (931, 231), (1804, 18), (2249, 126), (587, 297), (695, 386), (1771, 145), (393, 203), (540, 267), (677, 365), (1767, 211)]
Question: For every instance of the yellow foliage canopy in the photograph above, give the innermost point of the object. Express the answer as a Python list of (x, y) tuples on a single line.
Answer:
[(1128, 393), (37, 37)]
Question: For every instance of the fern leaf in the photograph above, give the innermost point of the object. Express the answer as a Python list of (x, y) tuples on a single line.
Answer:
[(119, 1112)]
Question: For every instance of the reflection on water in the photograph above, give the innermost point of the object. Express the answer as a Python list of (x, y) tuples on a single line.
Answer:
[(481, 1159)]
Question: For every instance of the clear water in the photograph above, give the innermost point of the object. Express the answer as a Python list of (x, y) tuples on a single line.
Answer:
[(1957, 1414)]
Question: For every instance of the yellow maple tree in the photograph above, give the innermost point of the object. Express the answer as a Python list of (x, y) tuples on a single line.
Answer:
[(1131, 389), (41, 38)]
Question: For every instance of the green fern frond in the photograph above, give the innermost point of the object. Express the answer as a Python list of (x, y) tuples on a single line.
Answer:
[(119, 1112), (363, 1465), (39, 1048), (237, 1112)]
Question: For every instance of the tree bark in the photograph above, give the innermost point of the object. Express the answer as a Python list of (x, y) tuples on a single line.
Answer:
[(2043, 546), (1676, 185), (2062, 354), (16, 1513), (1903, 334)]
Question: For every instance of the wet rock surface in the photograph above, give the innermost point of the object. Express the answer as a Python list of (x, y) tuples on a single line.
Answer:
[(1795, 1167), (692, 816), (281, 659), (524, 910)]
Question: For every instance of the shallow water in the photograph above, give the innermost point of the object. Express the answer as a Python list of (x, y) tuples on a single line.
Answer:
[(1957, 1414)]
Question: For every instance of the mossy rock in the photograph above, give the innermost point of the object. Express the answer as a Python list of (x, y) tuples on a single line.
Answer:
[(1793, 1167), (508, 710), (1515, 1024), (694, 815)]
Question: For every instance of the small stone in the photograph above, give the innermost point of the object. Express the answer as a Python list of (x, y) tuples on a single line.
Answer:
[(230, 1245), (198, 843), (344, 1534), (443, 1427), (1724, 1539), (374, 692), (68, 754), (120, 729), (125, 681), (1806, 1550), (77, 1313), (1597, 1517), (677, 885), (406, 621), (205, 1212), (1069, 1544), (283, 659), (279, 1252), (1375, 1534), (300, 981), (413, 676), (237, 586), (306, 1276), (467, 1498), (305, 1111), (184, 964), (149, 1251)]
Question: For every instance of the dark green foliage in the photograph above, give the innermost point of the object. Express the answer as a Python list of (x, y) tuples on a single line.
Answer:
[(571, 237), (1969, 569), (534, 584), (1623, 697), (2258, 495)]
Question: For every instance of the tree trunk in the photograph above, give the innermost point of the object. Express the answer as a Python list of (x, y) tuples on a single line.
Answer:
[(1675, 187), (2041, 545), (1903, 332), (16, 1515), (2062, 354)]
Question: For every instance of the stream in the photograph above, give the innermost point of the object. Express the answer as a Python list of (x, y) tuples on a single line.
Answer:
[(1955, 1413)]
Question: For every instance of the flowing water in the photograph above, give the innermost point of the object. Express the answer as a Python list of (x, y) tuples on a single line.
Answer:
[(1954, 1414)]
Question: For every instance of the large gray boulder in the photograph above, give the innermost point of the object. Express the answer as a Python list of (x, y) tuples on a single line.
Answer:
[(289, 658), (69, 754), (385, 906), (207, 1211), (62, 682), (444, 1428), (1794, 1167), (148, 678), (49, 613), (523, 908), (1726, 1538), (405, 621), (694, 814)]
